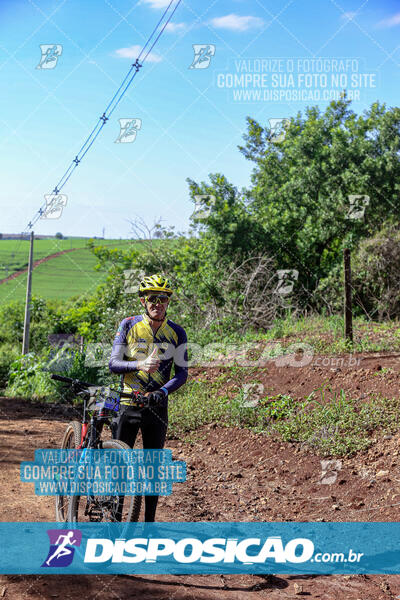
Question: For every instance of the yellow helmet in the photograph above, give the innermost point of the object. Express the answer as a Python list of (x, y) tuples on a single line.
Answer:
[(155, 283)]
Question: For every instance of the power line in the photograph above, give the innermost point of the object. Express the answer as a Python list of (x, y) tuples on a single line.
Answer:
[(112, 105)]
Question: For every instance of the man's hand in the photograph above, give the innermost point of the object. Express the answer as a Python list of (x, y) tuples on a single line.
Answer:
[(158, 398), (151, 364)]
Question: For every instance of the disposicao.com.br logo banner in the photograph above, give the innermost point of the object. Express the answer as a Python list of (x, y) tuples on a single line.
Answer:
[(184, 548)]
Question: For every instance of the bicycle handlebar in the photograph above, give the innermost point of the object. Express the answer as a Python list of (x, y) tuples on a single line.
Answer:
[(71, 381), (84, 384)]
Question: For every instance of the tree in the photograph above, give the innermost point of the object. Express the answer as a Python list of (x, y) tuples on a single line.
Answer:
[(59, 235), (301, 186), (297, 207)]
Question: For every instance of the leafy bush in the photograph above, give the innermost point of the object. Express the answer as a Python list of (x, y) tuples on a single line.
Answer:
[(8, 354), (30, 375), (376, 268), (375, 280), (12, 323), (46, 318)]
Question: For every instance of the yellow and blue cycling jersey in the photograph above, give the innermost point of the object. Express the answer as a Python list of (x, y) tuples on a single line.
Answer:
[(135, 341)]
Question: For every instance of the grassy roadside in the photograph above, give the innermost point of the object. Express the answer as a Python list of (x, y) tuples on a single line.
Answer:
[(324, 334), (338, 426)]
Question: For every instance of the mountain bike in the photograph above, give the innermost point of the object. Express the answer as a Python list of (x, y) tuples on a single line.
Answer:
[(100, 405)]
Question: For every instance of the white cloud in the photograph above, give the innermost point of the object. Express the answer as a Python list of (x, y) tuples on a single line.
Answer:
[(236, 22), (390, 21), (157, 3), (133, 52), (175, 27), (348, 16)]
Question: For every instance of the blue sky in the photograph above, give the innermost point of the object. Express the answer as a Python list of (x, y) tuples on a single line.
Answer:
[(191, 121)]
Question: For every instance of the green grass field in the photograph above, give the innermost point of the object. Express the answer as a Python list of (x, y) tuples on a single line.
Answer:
[(60, 277), (14, 254)]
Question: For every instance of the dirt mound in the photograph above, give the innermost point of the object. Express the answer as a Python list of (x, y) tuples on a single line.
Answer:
[(360, 375)]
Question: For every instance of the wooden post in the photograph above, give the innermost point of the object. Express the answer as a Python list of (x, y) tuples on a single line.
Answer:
[(27, 321), (348, 314)]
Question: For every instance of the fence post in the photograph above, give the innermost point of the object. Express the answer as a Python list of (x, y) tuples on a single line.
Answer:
[(348, 313)]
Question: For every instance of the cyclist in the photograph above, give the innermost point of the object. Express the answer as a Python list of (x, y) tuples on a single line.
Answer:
[(144, 350)]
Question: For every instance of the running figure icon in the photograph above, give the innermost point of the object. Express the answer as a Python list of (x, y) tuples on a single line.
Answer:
[(62, 542), (62, 549)]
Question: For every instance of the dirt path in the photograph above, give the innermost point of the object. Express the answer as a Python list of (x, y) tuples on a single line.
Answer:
[(233, 475), (36, 263)]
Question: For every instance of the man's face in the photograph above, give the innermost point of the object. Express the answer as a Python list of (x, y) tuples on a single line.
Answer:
[(155, 308)]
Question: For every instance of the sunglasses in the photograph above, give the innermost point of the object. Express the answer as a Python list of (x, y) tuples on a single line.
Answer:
[(157, 299)]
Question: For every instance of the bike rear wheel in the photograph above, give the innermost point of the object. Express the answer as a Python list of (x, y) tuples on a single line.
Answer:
[(70, 441), (105, 508)]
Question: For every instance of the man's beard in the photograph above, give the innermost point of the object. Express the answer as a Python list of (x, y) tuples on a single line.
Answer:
[(154, 318)]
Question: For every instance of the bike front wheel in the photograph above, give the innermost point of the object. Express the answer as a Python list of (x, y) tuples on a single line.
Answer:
[(70, 441), (105, 508)]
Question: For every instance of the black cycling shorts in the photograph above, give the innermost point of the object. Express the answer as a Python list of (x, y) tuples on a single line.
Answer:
[(153, 423)]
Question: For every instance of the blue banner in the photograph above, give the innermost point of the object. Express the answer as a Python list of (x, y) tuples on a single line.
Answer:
[(103, 472), (184, 548)]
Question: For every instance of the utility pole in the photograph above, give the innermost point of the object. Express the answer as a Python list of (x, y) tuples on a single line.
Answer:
[(27, 321), (348, 313)]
